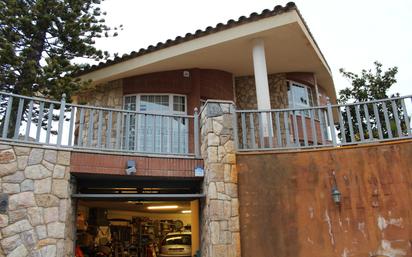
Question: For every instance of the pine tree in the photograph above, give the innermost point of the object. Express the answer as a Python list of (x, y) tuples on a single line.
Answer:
[(39, 42)]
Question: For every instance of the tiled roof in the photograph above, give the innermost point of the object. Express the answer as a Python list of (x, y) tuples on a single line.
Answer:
[(199, 33)]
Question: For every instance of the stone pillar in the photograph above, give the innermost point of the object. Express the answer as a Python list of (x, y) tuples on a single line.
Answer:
[(220, 210), (37, 217)]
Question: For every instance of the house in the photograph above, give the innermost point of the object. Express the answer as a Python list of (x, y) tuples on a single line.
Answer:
[(227, 134)]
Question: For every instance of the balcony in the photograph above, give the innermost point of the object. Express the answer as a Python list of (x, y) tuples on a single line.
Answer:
[(323, 126), (105, 130), (49, 123)]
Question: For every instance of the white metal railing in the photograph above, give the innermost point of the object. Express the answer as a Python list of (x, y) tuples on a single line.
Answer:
[(56, 123), (321, 126)]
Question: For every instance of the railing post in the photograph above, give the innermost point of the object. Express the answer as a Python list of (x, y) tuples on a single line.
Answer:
[(61, 119), (196, 132), (6, 119), (331, 124), (232, 107)]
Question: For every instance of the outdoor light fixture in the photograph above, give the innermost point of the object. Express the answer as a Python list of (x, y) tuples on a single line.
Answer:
[(162, 207), (336, 195), (187, 211), (131, 167), (199, 171)]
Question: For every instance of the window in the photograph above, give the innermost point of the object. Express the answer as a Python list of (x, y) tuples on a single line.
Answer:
[(300, 96), (155, 133)]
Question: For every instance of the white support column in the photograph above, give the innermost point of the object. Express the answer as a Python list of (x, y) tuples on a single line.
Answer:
[(261, 82), (316, 89), (261, 74)]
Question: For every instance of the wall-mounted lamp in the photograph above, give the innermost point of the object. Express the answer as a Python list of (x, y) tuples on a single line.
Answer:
[(131, 167), (336, 194), (199, 171)]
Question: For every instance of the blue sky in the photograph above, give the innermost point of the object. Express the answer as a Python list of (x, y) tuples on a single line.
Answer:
[(351, 34)]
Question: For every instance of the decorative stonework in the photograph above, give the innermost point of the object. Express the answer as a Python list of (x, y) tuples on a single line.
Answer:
[(246, 100), (245, 91), (108, 95), (220, 211), (38, 221), (104, 95)]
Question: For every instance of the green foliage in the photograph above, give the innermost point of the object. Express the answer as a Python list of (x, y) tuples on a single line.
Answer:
[(39, 39), (39, 42), (370, 85)]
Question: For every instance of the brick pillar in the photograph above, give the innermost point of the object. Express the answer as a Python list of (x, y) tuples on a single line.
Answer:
[(220, 211)]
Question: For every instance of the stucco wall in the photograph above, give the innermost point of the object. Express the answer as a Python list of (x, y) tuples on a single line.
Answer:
[(286, 208), (38, 219)]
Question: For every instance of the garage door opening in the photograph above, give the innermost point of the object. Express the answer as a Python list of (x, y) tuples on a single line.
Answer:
[(136, 221)]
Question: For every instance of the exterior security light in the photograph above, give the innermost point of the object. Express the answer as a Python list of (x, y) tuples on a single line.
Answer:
[(131, 167), (336, 195), (199, 171)]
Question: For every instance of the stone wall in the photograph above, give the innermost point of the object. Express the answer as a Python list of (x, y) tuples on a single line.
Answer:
[(38, 219), (245, 92), (220, 212), (109, 95), (104, 95)]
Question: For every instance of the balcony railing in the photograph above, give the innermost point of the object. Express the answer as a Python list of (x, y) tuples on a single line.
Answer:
[(323, 126), (56, 123)]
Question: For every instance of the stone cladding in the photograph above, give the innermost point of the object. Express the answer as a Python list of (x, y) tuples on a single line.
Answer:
[(220, 212), (38, 220), (109, 95), (245, 92)]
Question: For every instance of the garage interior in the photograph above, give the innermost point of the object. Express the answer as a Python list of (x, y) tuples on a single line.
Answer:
[(136, 217)]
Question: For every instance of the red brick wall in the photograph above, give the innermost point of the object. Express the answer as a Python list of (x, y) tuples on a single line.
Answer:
[(201, 84), (146, 166), (286, 208), (216, 84), (306, 78)]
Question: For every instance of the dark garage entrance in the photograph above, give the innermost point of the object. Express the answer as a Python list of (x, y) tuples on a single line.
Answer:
[(134, 216)]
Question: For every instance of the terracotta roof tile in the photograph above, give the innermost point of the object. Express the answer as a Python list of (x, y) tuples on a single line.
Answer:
[(199, 33)]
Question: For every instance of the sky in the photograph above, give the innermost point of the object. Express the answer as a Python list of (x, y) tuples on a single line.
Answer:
[(352, 34)]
